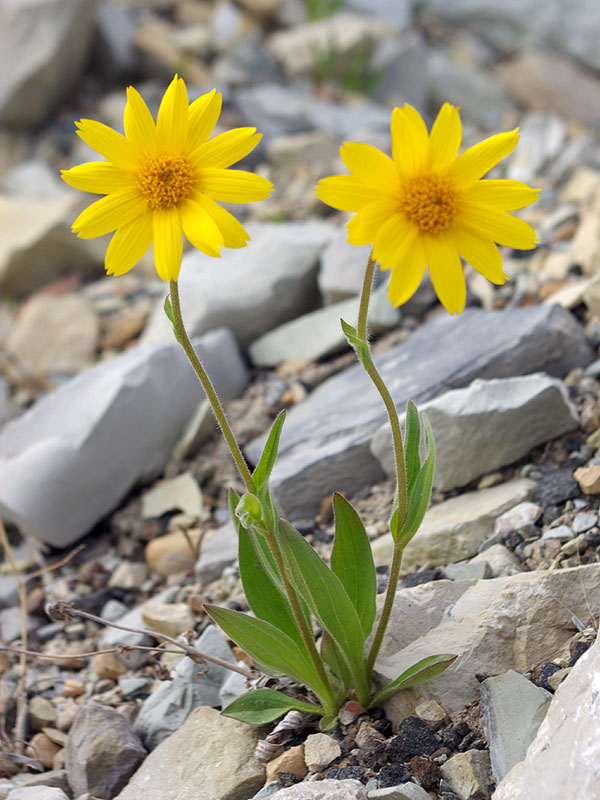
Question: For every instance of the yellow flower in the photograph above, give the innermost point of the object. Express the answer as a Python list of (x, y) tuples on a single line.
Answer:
[(426, 207), (163, 179)]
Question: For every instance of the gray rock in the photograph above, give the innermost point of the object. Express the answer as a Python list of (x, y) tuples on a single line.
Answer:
[(455, 528), (518, 517), (584, 521), (467, 774), (564, 758), (325, 441), (233, 687), (488, 425), (33, 179), (43, 45), (513, 709), (560, 532), (277, 109), (492, 625), (210, 757), (54, 459), (482, 98), (345, 120), (343, 269), (325, 790), (218, 550), (397, 12), (54, 779), (542, 137), (517, 24), (401, 65), (319, 333), (252, 289), (267, 791), (468, 571), (37, 793), (320, 750), (102, 751), (500, 560), (403, 791), (191, 685), (113, 637)]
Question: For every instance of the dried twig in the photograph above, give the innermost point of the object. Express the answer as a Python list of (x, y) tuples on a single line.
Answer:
[(63, 612), (57, 657), (21, 693), (56, 565)]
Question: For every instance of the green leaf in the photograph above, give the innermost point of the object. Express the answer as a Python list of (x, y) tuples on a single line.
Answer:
[(423, 670), (359, 345), (272, 649), (266, 705), (267, 460), (169, 310), (248, 511), (328, 722), (327, 599), (330, 653), (412, 443), (418, 499), (352, 561)]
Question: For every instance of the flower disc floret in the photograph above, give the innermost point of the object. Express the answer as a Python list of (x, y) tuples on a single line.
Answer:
[(430, 203), (165, 178), (427, 206)]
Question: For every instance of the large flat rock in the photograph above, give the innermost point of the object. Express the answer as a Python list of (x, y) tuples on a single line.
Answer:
[(76, 453), (325, 441)]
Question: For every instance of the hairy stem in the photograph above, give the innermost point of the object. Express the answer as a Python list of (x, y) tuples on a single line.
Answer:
[(372, 372), (207, 385)]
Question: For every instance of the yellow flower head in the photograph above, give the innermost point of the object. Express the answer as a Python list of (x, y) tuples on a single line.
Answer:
[(426, 207), (163, 179)]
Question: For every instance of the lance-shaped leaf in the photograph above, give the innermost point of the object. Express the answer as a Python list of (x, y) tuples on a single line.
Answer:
[(423, 670), (274, 651), (267, 460), (412, 443), (327, 599), (418, 499), (330, 653), (359, 346), (266, 705), (352, 561)]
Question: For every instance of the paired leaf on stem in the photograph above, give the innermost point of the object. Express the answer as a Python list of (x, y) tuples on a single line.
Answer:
[(266, 705)]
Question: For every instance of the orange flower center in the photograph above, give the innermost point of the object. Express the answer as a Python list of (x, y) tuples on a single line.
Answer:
[(430, 203), (165, 180)]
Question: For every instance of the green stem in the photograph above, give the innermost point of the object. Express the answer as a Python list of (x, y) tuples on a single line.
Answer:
[(372, 372), (184, 340), (307, 635)]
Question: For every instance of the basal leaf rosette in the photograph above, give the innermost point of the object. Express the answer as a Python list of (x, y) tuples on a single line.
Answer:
[(427, 206), (165, 178)]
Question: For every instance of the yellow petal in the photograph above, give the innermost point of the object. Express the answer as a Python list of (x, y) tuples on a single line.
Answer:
[(128, 244), (98, 177), (226, 149), (168, 243), (446, 273), (233, 185), (203, 115), (393, 242), (200, 229), (123, 153), (234, 234), (410, 141), (478, 160), (370, 167), (366, 223), (345, 193), (407, 276), (172, 120), (138, 122), (109, 213), (445, 137), (502, 195), (480, 253), (499, 226)]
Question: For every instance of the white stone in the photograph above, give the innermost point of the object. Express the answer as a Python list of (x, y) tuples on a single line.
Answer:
[(342, 269), (43, 47), (500, 560), (455, 528), (329, 789), (319, 333), (299, 49), (488, 425), (403, 791), (129, 575), (74, 455), (209, 757), (181, 493), (468, 774), (564, 758), (253, 289), (55, 334), (512, 709), (37, 793), (319, 751), (36, 243), (492, 625)]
